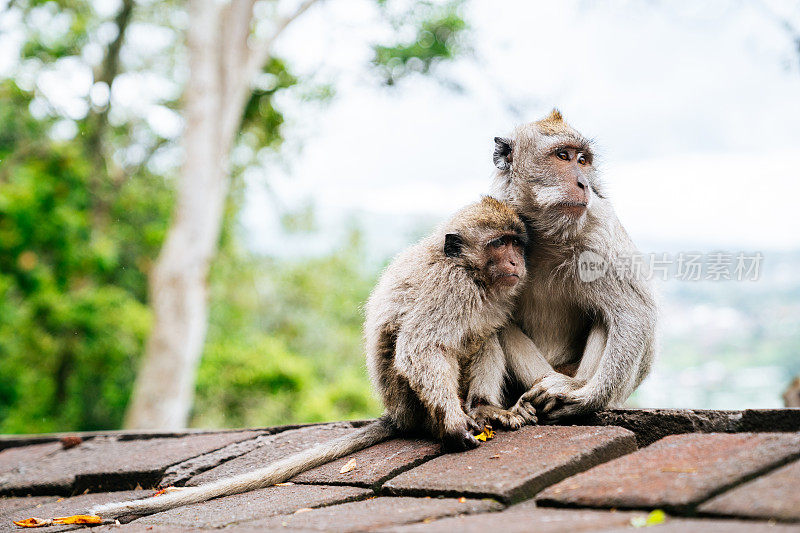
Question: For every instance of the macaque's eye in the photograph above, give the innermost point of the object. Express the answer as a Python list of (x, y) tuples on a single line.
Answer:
[(498, 243), (563, 155), (582, 159), (517, 241)]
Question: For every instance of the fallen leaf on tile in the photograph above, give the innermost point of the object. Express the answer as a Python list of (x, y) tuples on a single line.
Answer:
[(351, 465)]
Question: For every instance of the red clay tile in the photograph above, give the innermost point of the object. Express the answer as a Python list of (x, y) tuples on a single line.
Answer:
[(373, 465), (525, 518), (102, 463), (262, 503), (676, 472), (774, 495), (516, 465), (375, 513)]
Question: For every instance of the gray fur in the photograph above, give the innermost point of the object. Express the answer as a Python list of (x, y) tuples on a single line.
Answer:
[(606, 326), (431, 318)]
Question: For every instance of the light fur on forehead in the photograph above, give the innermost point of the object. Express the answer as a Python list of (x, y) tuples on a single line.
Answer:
[(487, 213), (553, 125)]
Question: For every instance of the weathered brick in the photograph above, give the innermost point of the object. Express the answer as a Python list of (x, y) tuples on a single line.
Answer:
[(373, 514), (253, 505), (525, 517), (676, 472), (516, 465), (133, 527), (373, 465), (103, 463), (689, 525), (650, 425), (274, 447), (22, 462), (180, 473), (65, 507), (9, 505), (774, 495)]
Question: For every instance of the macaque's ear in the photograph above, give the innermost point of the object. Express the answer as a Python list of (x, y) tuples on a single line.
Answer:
[(453, 244), (502, 153)]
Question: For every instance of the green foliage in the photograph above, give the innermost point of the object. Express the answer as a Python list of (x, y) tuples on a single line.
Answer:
[(261, 121), (72, 318), (73, 19), (67, 357), (252, 381), (284, 342), (81, 223), (438, 37), (300, 220)]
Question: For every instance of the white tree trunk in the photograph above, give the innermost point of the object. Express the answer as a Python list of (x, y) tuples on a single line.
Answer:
[(221, 68), (164, 388)]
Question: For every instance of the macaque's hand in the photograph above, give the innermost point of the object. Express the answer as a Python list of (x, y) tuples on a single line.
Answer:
[(458, 436), (555, 396), (496, 417)]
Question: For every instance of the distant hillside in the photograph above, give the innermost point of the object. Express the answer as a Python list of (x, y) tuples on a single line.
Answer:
[(729, 344)]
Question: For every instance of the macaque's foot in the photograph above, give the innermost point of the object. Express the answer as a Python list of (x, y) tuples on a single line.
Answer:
[(556, 396), (496, 417), (458, 436)]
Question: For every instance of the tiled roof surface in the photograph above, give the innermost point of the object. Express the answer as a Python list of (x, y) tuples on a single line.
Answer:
[(709, 470)]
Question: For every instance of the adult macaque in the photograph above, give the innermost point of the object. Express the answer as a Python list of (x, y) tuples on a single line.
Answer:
[(431, 346), (605, 325)]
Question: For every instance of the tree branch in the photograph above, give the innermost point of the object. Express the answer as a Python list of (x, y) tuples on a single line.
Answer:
[(109, 69), (97, 121), (260, 53), (238, 76), (236, 20), (234, 29)]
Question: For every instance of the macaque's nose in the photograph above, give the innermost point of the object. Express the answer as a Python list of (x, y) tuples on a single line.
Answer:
[(582, 182)]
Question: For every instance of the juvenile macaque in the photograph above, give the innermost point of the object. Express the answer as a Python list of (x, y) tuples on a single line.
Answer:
[(606, 326), (432, 319), (431, 345)]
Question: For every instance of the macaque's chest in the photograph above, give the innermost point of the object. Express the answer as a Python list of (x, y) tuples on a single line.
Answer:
[(554, 321)]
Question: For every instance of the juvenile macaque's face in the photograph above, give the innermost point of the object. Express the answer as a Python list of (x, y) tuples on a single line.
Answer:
[(489, 241), (505, 261)]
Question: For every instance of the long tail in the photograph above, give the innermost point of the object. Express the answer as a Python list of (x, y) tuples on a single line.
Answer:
[(277, 472)]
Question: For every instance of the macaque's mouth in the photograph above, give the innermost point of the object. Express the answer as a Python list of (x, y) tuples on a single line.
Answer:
[(507, 280), (575, 209)]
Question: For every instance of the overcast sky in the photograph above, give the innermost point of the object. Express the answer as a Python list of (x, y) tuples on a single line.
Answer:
[(695, 113)]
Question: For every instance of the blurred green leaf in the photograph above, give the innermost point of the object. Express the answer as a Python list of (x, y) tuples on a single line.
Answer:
[(439, 36)]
